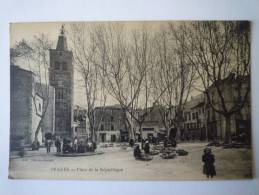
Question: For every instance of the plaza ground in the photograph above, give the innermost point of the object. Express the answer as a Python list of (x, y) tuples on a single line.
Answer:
[(119, 164)]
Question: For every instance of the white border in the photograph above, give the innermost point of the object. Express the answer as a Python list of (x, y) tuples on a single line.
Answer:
[(89, 10)]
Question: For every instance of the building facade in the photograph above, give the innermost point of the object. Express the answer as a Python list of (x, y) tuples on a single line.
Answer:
[(153, 125), (240, 122), (111, 121), (61, 78), (195, 127), (27, 108), (80, 123)]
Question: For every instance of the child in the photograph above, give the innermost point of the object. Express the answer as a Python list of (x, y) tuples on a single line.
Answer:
[(208, 159)]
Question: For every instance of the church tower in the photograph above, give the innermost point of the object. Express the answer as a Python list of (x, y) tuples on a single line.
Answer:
[(61, 78)]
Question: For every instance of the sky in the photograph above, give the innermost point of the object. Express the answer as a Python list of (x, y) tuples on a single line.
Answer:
[(20, 31)]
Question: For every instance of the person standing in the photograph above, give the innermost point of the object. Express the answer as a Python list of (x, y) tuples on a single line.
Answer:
[(58, 145), (131, 142), (75, 144), (48, 143), (174, 144), (208, 159), (137, 152), (147, 147), (165, 142)]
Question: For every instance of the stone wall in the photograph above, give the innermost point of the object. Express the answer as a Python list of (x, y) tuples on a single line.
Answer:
[(20, 106)]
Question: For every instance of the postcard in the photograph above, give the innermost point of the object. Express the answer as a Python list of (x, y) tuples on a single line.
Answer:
[(130, 100)]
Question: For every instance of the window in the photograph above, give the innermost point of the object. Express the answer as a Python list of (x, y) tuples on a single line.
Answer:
[(59, 123), (39, 107), (193, 116), (148, 129), (185, 116), (112, 128), (60, 94), (52, 77), (113, 138), (61, 107), (38, 102), (57, 66), (102, 127), (112, 118), (64, 66)]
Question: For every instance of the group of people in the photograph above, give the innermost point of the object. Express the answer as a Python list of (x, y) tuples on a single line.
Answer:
[(48, 143), (207, 158), (68, 146), (146, 146), (138, 154), (169, 142), (77, 146)]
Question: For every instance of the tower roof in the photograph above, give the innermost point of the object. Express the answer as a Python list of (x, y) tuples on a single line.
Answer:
[(62, 40)]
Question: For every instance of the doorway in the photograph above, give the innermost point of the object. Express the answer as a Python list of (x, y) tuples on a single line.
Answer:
[(103, 137), (113, 138)]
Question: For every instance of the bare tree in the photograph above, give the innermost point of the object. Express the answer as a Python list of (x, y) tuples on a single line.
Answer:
[(221, 54), (124, 59), (173, 76), (84, 50), (142, 58)]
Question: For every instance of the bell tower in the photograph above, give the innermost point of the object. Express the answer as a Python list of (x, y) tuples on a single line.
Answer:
[(61, 78)]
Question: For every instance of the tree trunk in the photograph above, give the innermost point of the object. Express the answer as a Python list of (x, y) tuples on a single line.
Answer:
[(130, 129), (41, 119), (37, 130), (93, 135), (178, 132), (228, 130), (140, 131), (167, 132)]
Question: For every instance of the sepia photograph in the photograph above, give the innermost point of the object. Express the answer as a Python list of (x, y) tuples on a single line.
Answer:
[(131, 100)]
